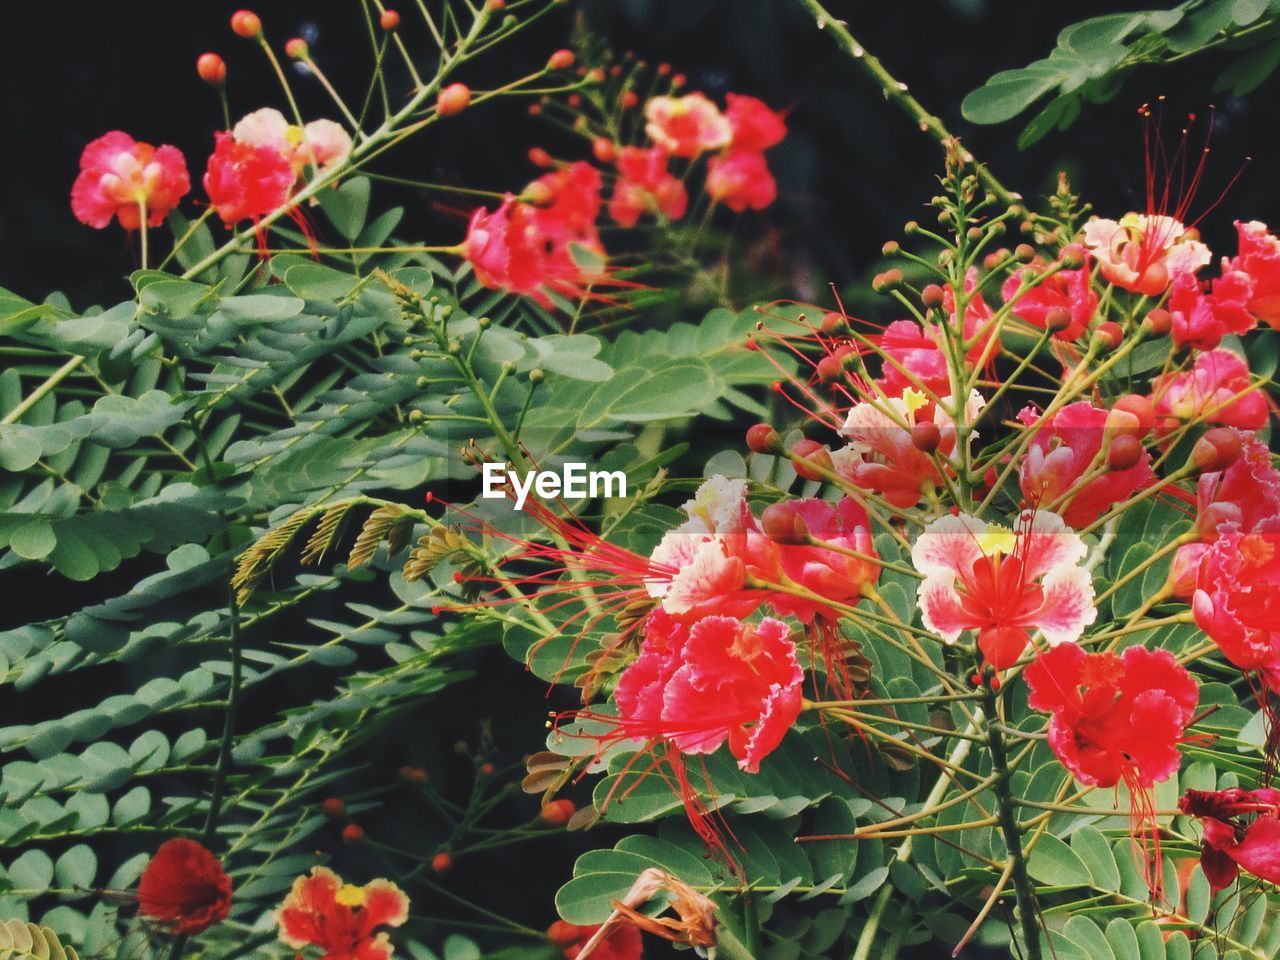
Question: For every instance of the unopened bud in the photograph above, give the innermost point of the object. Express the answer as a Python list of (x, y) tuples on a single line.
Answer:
[(1218, 449), (334, 808), (604, 149), (246, 23), (295, 48), (782, 523), (389, 21), (889, 280), (1072, 256), (1125, 452), (926, 436), (833, 322), (441, 863), (830, 369), (560, 60), (557, 813), (808, 457), (763, 438), (353, 834), (1057, 318), (1109, 334), (212, 69), (1141, 409), (932, 296), (453, 99), (629, 99), (891, 248), (413, 774), (1024, 253), (1158, 322)]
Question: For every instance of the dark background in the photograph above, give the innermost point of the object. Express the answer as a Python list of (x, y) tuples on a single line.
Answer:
[(851, 172)]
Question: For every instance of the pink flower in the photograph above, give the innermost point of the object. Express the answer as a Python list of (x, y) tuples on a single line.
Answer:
[(1142, 253), (1068, 290), (718, 680), (245, 182), (977, 315), (645, 185), (756, 128), (1114, 717), (341, 918), (686, 126), (1201, 319), (1064, 469), (1259, 259), (321, 142), (1003, 583), (122, 178), (741, 180), (1241, 831), (918, 362), (1216, 390)]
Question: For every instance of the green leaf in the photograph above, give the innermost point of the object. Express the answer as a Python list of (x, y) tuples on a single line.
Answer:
[(314, 281), (347, 206), (76, 867), (34, 540), (32, 872), (1055, 864)]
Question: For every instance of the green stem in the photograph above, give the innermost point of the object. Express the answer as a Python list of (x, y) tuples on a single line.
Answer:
[(229, 722)]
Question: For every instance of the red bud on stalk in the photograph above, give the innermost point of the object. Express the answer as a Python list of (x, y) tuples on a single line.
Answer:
[(1141, 408), (560, 60), (810, 452), (1125, 452), (763, 438), (389, 21), (246, 23), (453, 99), (782, 524), (926, 436), (353, 834), (1218, 449), (212, 69), (557, 813)]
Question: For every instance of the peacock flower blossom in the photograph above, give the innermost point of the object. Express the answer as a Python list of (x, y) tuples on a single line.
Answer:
[(645, 185), (245, 182), (719, 680), (323, 144), (1065, 467), (1115, 717), (686, 126), (1199, 319), (756, 128), (184, 888), (1068, 290), (340, 918), (621, 942), (741, 180), (918, 363), (1244, 494), (1241, 832), (977, 316), (1259, 259), (1238, 595), (1142, 252), (1217, 389), (882, 456), (122, 178), (1003, 583)]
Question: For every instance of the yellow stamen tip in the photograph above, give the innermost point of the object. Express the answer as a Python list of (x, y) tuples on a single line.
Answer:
[(349, 895), (996, 539)]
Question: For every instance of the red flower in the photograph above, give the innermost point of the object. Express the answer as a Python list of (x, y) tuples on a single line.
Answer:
[(1259, 259), (756, 128), (1064, 471), (1241, 830), (1144, 252), (1068, 290), (917, 361), (568, 202), (246, 182), (741, 180), (1237, 600), (1216, 390), (184, 888), (1201, 319), (120, 177), (340, 918), (686, 126), (645, 185), (977, 316), (1114, 717), (1244, 494), (624, 943), (718, 680)]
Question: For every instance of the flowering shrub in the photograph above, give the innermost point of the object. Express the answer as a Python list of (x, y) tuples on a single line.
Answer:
[(964, 639)]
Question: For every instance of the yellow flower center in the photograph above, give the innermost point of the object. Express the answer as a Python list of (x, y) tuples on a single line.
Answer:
[(349, 895), (996, 539), (914, 400)]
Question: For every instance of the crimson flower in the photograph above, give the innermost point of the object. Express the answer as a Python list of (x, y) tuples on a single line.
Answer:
[(122, 178), (1201, 319), (245, 182), (756, 128), (740, 179), (686, 126), (1064, 470), (1003, 583), (623, 943), (977, 315), (917, 361), (1068, 290), (645, 185), (1115, 717), (1241, 831), (1259, 259), (1216, 390), (717, 680), (184, 888), (340, 918), (1143, 252)]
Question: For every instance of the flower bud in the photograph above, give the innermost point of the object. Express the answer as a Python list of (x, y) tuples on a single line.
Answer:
[(1218, 449), (487, 769), (1109, 335), (595, 76), (413, 774), (783, 524), (1072, 256), (296, 49), (246, 23), (932, 296), (830, 369), (389, 21), (560, 60), (889, 280), (497, 4), (557, 813), (925, 436), (810, 452), (629, 99), (334, 808), (1057, 318), (1125, 452), (993, 259), (1024, 253), (353, 834), (454, 98), (1158, 322), (891, 248), (540, 158), (604, 149), (833, 322), (212, 69), (441, 863), (1141, 408), (762, 438)]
